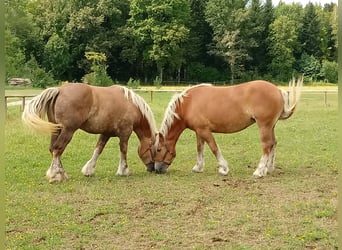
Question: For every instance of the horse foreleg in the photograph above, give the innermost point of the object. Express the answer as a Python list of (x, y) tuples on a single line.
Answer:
[(56, 171), (123, 168), (223, 164), (89, 168), (198, 168), (266, 163)]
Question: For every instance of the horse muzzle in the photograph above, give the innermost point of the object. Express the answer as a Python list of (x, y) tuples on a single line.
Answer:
[(150, 167), (160, 167)]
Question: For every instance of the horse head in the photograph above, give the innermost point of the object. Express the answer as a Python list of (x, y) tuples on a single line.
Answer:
[(146, 152), (163, 156)]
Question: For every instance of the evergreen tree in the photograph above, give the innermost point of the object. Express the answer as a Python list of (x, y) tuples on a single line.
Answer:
[(259, 19), (309, 35)]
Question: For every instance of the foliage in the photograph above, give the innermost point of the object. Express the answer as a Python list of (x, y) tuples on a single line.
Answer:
[(227, 26), (160, 28), (98, 75), (309, 37), (330, 71), (157, 82), (133, 84), (283, 39), (57, 55), (40, 78), (15, 56), (200, 73), (310, 67), (143, 39)]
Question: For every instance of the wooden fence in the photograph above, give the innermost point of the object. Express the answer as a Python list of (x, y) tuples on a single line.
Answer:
[(24, 98), (22, 102)]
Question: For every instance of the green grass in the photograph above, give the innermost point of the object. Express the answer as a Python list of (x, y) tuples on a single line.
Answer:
[(293, 208)]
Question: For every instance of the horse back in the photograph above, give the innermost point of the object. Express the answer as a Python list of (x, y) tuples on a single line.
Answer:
[(94, 109), (230, 109)]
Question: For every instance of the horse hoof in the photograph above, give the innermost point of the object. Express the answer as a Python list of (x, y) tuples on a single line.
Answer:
[(88, 172), (125, 172), (88, 175), (58, 177), (259, 174), (223, 171), (197, 169)]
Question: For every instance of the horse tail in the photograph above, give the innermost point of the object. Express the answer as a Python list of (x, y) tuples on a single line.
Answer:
[(291, 97), (36, 110)]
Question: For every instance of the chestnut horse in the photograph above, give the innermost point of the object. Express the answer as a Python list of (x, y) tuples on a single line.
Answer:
[(113, 111), (207, 109)]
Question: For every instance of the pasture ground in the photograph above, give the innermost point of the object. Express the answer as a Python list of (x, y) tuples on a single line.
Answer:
[(293, 208)]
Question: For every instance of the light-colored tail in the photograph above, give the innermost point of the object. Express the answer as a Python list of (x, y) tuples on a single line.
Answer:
[(36, 110), (291, 97)]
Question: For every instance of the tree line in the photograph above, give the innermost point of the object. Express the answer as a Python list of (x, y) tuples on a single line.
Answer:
[(155, 41)]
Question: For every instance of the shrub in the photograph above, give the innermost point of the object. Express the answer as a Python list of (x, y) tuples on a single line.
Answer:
[(310, 67), (98, 78), (133, 84), (200, 73), (39, 77), (157, 82), (98, 75), (330, 71)]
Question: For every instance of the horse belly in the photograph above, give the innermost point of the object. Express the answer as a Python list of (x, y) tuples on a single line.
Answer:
[(109, 125), (228, 123), (219, 120)]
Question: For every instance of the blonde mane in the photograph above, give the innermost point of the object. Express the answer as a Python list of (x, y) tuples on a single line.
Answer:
[(170, 112), (143, 107)]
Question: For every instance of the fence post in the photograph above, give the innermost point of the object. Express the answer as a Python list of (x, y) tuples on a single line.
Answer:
[(23, 103), (325, 98)]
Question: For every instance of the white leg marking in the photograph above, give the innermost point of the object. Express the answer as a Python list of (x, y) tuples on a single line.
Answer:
[(198, 168), (223, 164), (89, 168), (270, 165), (123, 169), (262, 167), (56, 172)]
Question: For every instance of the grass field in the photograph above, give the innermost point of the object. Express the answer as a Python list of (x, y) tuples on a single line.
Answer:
[(293, 208)]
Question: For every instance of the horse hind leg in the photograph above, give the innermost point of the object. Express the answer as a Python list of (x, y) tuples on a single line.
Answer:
[(89, 168), (266, 163), (270, 165), (198, 168), (123, 167), (56, 171)]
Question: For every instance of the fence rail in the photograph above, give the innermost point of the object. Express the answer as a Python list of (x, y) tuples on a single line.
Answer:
[(25, 98), (17, 96)]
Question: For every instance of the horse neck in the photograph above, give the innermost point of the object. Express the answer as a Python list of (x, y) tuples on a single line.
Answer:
[(143, 130), (175, 130)]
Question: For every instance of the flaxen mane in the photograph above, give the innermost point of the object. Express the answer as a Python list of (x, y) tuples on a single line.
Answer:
[(170, 112), (143, 107)]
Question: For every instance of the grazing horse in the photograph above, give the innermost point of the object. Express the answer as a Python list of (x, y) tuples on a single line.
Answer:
[(113, 111), (207, 109)]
